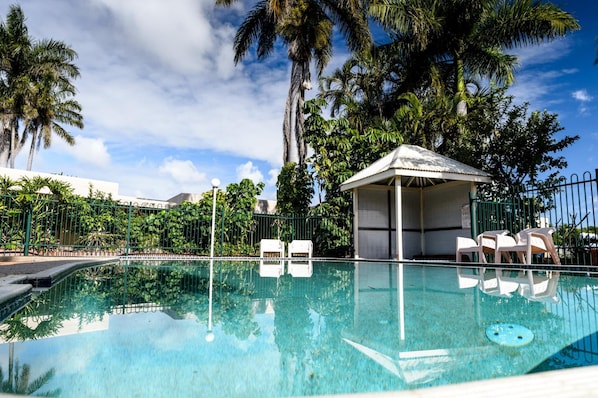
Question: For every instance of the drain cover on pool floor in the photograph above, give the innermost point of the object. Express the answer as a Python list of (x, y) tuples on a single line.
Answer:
[(509, 334)]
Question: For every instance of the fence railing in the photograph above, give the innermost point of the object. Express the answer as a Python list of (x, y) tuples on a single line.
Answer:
[(102, 227), (50, 227), (569, 207)]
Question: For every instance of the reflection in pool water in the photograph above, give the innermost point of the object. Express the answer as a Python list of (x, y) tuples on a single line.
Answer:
[(310, 328)]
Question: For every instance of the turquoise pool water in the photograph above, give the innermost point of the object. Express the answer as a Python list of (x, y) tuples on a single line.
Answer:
[(139, 329)]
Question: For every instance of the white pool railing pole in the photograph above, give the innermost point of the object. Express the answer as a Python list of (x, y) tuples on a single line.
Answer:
[(210, 334)]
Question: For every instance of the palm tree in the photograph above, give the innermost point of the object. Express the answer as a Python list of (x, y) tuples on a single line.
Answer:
[(461, 38), (36, 89), (15, 45), (50, 107), (306, 29), (17, 380)]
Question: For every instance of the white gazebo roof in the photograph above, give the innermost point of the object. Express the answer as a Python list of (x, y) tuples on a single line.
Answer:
[(417, 167)]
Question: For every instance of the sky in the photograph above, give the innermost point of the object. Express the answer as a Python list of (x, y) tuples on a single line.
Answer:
[(166, 110)]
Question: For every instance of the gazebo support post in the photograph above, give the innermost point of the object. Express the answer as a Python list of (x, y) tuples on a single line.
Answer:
[(398, 219), (356, 222), (422, 229)]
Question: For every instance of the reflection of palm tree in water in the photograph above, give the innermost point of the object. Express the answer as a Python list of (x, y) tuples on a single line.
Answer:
[(17, 380), (292, 334), (19, 328)]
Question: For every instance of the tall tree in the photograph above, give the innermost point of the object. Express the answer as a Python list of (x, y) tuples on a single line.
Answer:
[(461, 38), (516, 146), (294, 189), (51, 107), (36, 89), (305, 27)]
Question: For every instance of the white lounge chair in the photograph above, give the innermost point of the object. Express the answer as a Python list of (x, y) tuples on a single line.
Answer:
[(526, 243), (301, 248), (271, 248), (485, 243)]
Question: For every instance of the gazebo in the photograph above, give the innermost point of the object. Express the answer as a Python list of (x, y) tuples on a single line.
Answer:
[(412, 202)]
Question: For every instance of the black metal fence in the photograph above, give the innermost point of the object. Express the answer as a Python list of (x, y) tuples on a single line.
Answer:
[(87, 227), (40, 226), (569, 207)]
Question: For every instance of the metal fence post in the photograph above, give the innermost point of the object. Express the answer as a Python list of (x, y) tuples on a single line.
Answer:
[(473, 214), (222, 234), (28, 218), (128, 239)]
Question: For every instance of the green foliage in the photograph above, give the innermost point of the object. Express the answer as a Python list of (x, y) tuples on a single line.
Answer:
[(37, 90), (441, 45), (340, 151), (96, 224), (294, 189), (515, 146)]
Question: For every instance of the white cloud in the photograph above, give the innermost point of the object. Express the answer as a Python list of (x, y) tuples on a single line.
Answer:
[(581, 95), (90, 151), (186, 41), (273, 174), (168, 82), (250, 171), (182, 171), (542, 53)]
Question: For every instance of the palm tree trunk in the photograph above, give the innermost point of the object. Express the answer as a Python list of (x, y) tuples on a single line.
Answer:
[(462, 105), (11, 363), (12, 154), (4, 142), (294, 148), (34, 135)]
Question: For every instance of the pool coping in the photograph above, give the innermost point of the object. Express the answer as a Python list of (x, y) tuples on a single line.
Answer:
[(15, 288), (571, 383)]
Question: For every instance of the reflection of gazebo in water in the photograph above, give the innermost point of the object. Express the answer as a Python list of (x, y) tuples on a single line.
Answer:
[(406, 342), (411, 202)]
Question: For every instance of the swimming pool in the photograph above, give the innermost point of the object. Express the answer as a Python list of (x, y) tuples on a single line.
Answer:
[(289, 329)]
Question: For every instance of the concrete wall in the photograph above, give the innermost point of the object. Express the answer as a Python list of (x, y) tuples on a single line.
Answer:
[(81, 186), (443, 220)]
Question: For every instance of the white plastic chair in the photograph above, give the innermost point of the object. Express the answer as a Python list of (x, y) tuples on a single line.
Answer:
[(301, 248), (271, 248), (485, 243), (526, 243)]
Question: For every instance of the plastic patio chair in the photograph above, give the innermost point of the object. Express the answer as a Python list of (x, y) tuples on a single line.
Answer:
[(485, 243), (526, 243), (271, 248), (301, 248)]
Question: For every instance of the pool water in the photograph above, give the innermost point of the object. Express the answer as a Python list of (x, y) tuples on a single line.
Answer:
[(137, 329)]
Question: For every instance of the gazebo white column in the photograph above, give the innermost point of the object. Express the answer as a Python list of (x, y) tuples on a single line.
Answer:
[(398, 219), (356, 221)]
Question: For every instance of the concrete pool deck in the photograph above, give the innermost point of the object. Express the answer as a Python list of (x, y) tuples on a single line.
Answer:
[(15, 272), (22, 269)]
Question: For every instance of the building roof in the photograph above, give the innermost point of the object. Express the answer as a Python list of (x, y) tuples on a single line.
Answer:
[(418, 167)]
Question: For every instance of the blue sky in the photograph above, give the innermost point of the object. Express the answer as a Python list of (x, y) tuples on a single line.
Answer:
[(166, 110)]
